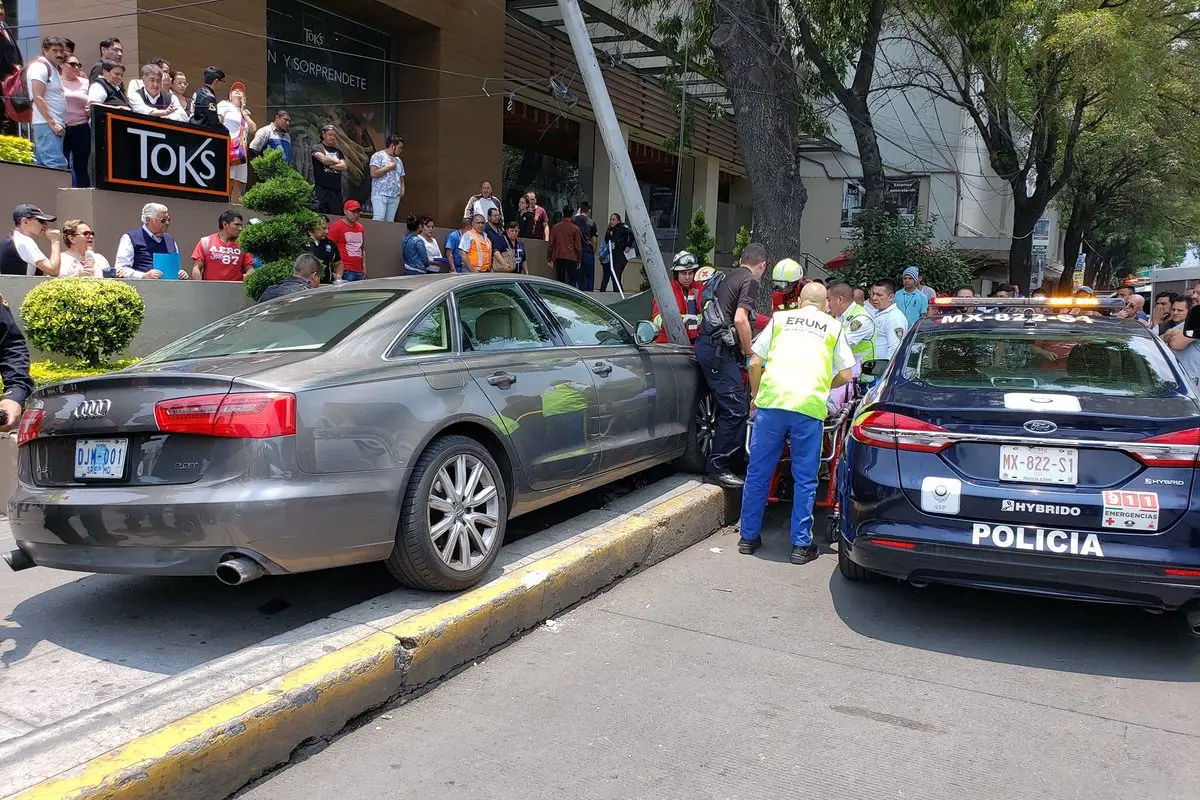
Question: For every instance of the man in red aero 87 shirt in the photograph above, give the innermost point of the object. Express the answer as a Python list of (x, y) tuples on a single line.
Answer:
[(217, 256)]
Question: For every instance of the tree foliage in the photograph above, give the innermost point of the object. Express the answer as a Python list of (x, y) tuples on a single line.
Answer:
[(896, 243)]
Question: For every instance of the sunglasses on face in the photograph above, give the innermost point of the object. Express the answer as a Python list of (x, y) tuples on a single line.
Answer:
[(88, 234), (74, 64)]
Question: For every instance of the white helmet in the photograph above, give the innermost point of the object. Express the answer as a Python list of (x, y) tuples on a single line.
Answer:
[(684, 261)]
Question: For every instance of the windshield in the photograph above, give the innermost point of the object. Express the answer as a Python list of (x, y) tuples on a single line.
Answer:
[(1110, 364), (301, 322)]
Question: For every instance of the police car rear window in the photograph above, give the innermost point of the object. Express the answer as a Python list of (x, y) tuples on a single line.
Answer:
[(1109, 364)]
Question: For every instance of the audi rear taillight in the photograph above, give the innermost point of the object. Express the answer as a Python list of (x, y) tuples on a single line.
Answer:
[(893, 431), (245, 415), (1178, 449), (31, 425)]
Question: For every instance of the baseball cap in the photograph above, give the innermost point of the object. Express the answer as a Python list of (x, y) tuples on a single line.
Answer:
[(326, 128), (30, 211), (352, 205), (237, 85)]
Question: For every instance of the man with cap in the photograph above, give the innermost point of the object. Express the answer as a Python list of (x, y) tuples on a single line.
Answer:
[(798, 358), (328, 165), (20, 253), (687, 297), (347, 234), (913, 303)]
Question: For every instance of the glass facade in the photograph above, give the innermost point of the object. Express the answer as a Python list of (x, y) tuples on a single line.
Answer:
[(541, 153), (328, 69)]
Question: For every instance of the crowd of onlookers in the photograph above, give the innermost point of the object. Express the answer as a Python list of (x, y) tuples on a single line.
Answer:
[(63, 93)]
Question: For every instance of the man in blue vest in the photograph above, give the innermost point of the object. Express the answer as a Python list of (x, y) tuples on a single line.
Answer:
[(138, 248)]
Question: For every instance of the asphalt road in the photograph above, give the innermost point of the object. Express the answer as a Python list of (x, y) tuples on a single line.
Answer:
[(71, 641), (715, 675)]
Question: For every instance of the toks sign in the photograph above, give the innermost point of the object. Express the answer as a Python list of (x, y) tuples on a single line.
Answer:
[(136, 153)]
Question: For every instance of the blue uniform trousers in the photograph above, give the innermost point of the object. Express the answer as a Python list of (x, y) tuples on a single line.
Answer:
[(772, 426)]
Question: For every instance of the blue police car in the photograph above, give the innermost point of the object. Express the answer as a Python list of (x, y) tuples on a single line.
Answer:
[(1044, 450)]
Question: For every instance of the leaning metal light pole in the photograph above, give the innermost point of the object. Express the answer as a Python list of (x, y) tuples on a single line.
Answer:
[(618, 156)]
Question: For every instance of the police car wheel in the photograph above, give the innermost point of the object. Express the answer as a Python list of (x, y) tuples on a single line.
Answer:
[(453, 518), (851, 571)]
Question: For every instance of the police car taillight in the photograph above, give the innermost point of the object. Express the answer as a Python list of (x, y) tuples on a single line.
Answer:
[(31, 425), (893, 431), (1178, 449)]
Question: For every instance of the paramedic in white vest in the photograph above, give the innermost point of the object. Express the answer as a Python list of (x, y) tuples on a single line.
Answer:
[(798, 358)]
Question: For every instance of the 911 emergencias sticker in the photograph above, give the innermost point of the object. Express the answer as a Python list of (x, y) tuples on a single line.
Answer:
[(1130, 511)]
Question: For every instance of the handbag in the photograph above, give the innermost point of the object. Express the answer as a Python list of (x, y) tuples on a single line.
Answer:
[(237, 146), (504, 261)]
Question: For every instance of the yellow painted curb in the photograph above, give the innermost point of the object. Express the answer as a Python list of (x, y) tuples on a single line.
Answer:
[(214, 752)]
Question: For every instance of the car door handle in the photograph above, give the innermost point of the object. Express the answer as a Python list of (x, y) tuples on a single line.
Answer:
[(502, 379), (600, 368)]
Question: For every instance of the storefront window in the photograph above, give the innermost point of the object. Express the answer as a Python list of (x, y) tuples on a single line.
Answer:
[(328, 69), (541, 153)]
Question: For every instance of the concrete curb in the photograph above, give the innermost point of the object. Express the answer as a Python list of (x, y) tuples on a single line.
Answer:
[(215, 751)]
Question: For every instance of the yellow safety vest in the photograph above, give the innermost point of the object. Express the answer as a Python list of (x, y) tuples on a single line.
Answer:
[(799, 362), (864, 350)]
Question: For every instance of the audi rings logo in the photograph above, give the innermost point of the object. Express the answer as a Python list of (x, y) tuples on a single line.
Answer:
[(1040, 426), (92, 409)]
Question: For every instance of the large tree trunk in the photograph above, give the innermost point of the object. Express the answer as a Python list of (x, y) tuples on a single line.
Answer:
[(1026, 212), (869, 157), (1077, 224), (765, 100)]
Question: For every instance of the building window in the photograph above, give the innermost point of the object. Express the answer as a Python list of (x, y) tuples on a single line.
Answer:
[(541, 153), (316, 69), (901, 196)]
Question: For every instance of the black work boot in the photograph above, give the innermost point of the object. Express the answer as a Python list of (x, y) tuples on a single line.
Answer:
[(747, 546), (803, 555), (726, 480)]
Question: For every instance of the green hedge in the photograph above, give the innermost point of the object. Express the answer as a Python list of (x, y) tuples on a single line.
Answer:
[(44, 372), (16, 148), (84, 319)]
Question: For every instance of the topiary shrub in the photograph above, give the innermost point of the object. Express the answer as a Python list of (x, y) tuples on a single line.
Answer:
[(267, 276), (82, 318), (283, 193), (699, 237), (16, 148)]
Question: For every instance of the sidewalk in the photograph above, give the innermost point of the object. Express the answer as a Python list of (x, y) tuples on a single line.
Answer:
[(715, 675)]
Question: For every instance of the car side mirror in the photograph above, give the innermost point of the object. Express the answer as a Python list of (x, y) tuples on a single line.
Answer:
[(646, 333), (1191, 326), (875, 367)]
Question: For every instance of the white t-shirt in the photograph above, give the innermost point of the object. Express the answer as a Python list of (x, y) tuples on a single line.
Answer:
[(29, 252), (71, 267), (231, 116), (890, 327), (56, 99), (485, 204)]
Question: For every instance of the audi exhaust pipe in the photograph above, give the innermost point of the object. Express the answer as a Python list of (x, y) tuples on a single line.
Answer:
[(17, 560), (236, 570), (1192, 616)]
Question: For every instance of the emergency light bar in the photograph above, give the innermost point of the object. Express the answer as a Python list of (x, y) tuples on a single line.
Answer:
[(1029, 302)]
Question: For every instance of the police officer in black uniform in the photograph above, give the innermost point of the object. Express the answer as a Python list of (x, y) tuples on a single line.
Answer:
[(204, 104), (14, 369)]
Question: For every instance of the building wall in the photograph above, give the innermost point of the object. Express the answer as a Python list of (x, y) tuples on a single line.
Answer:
[(85, 22)]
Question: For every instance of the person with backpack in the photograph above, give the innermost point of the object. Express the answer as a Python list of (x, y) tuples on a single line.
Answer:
[(724, 343), (11, 83), (49, 104)]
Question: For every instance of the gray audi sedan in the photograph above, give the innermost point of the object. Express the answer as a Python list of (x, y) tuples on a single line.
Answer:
[(403, 420)]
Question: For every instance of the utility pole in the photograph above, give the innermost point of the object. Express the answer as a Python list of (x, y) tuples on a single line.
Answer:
[(618, 156)]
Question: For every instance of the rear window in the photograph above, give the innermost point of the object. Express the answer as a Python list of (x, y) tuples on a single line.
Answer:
[(1110, 364), (302, 322)]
